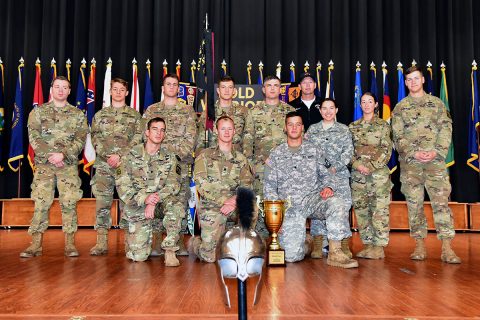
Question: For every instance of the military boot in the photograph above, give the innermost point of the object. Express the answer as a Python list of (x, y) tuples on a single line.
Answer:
[(420, 252), (448, 255), (336, 257), (170, 259), (157, 245), (317, 247), (375, 252), (182, 251), (308, 244), (346, 247), (101, 247), (70, 250), (194, 245), (365, 252), (35, 249)]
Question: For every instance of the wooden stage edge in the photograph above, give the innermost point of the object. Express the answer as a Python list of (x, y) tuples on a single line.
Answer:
[(18, 213)]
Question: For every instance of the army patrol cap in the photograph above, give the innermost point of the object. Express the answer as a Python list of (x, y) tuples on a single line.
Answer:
[(306, 75)]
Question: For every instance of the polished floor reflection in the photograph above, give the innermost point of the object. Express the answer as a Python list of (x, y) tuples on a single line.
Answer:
[(55, 287)]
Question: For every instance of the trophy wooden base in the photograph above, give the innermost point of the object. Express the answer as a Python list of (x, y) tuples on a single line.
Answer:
[(276, 258)]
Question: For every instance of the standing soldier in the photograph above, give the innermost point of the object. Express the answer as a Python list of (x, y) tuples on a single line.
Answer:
[(422, 132), (219, 171), (150, 179), (224, 106), (181, 121), (115, 129), (57, 133), (371, 183), (264, 132)]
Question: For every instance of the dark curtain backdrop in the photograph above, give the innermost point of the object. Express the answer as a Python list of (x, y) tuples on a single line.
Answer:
[(266, 30)]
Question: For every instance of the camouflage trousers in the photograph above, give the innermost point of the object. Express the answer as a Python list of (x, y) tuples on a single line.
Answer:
[(371, 201), (343, 191), (415, 178), (213, 224), (138, 236), (259, 219), (103, 184), (168, 214), (165, 221), (45, 179), (330, 212), (181, 201)]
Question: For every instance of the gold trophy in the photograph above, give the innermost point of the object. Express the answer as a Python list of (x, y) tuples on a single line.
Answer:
[(273, 212)]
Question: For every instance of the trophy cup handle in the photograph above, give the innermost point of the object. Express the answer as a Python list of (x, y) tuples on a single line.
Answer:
[(260, 206)]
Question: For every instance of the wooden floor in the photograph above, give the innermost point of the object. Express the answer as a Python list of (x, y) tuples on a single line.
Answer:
[(111, 287)]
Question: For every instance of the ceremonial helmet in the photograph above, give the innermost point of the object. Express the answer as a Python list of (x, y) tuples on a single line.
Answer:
[(241, 250)]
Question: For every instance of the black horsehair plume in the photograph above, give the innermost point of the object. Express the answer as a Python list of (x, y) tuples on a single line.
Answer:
[(245, 207)]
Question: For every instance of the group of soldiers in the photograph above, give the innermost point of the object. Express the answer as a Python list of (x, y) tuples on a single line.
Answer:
[(265, 148)]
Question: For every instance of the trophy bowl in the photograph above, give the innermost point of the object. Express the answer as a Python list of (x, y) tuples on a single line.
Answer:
[(274, 211)]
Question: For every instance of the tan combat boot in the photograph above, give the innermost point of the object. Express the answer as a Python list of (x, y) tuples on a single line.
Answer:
[(35, 249), (336, 257), (420, 252), (346, 247), (182, 251), (365, 252), (170, 259), (70, 250), (375, 252), (308, 244), (101, 247), (317, 247), (448, 255), (194, 245), (157, 245)]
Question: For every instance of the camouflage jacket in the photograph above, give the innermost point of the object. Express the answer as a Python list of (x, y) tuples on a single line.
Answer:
[(143, 174), (336, 144), (181, 131), (115, 131), (52, 129), (372, 143), (218, 175), (296, 173), (264, 132), (239, 115), (421, 124)]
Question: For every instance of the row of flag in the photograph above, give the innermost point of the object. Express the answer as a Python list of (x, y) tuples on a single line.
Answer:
[(85, 100)]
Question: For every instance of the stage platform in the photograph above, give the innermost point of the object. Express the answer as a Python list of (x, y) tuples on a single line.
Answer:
[(111, 287), (19, 212)]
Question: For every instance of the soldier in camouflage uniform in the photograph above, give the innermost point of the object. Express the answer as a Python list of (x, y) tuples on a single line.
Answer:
[(181, 137), (224, 106), (264, 132), (296, 170), (371, 183), (149, 180), (335, 141), (115, 129), (219, 171), (422, 132), (57, 132)]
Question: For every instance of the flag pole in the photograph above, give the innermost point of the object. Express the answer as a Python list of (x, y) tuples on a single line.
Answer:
[(18, 177)]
